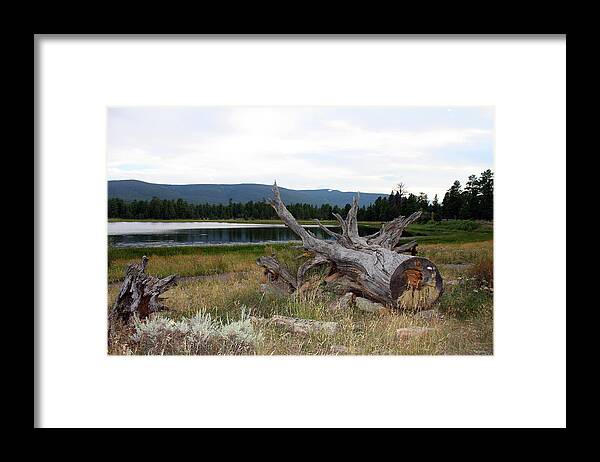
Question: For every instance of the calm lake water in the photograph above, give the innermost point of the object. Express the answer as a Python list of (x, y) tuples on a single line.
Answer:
[(164, 234)]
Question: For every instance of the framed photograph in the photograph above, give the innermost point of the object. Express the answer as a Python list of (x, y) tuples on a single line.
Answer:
[(228, 224), (341, 256)]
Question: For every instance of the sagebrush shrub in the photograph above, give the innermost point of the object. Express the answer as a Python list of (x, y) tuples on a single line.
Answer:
[(196, 335)]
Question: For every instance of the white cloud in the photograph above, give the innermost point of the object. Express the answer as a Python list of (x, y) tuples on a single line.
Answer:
[(300, 147), (265, 121)]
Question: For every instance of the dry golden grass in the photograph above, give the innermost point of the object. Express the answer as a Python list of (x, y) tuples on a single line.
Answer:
[(454, 254), (465, 328), (482, 271), (185, 265)]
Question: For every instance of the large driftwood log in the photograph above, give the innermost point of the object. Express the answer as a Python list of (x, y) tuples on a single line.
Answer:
[(140, 293), (371, 266)]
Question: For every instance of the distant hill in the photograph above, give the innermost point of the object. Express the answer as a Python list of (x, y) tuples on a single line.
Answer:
[(129, 190)]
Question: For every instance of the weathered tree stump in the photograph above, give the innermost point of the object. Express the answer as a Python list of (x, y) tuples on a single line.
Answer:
[(140, 293), (373, 266)]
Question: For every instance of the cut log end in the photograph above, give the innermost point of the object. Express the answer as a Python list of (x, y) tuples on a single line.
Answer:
[(416, 284)]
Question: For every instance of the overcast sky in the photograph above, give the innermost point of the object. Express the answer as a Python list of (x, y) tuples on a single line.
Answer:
[(369, 149)]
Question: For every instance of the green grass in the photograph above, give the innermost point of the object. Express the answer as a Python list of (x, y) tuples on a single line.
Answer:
[(449, 232), (187, 261), (137, 252)]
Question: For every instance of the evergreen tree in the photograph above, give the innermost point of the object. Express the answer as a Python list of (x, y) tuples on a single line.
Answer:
[(471, 207), (486, 188), (453, 201), (436, 209)]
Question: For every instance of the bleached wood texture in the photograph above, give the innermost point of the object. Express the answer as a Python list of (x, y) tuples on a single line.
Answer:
[(140, 293), (370, 266)]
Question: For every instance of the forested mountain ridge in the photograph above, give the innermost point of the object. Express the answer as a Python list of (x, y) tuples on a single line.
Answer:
[(475, 201), (130, 190)]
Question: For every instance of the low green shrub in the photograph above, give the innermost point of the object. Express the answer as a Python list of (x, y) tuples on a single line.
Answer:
[(468, 299), (482, 271)]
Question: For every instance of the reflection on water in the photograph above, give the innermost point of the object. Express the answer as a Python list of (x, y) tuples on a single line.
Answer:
[(145, 234), (135, 227)]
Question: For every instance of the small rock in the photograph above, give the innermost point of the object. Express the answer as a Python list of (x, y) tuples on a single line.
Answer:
[(367, 305), (414, 331), (258, 319), (299, 330), (339, 349), (343, 303), (347, 300), (428, 314), (305, 326)]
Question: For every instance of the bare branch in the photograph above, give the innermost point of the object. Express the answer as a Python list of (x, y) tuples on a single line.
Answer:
[(391, 232), (277, 269), (327, 230), (288, 218), (351, 219), (315, 261), (371, 236), (408, 247), (341, 222)]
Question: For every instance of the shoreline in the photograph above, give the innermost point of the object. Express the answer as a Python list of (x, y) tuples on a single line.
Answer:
[(235, 220), (217, 244), (421, 240)]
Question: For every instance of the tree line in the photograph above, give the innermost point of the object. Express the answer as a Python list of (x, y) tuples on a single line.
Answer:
[(474, 201)]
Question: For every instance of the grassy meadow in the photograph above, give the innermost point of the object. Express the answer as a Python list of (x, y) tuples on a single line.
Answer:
[(220, 294)]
